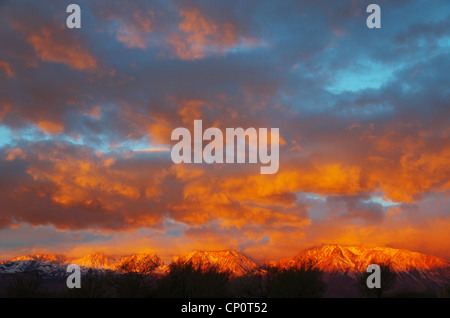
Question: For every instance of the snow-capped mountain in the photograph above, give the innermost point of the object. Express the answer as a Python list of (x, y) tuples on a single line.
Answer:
[(56, 265), (228, 260), (342, 264), (41, 257), (353, 259), (143, 259), (96, 260), (136, 263), (142, 263), (45, 268), (333, 259)]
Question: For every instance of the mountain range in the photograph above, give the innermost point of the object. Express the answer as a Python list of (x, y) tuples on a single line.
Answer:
[(355, 259), (228, 260), (340, 264)]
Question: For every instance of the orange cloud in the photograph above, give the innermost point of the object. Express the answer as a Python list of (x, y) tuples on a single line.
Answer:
[(191, 110), (406, 168), (199, 36), (14, 153), (84, 182), (50, 127), (160, 129), (325, 179), (6, 67), (4, 110), (53, 44), (77, 188)]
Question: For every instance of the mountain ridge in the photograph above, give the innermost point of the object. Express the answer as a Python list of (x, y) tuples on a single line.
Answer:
[(337, 257), (225, 260), (349, 259)]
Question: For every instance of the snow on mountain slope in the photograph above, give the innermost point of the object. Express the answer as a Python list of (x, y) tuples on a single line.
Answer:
[(228, 260), (96, 260), (337, 258), (140, 263), (42, 258), (33, 266), (415, 271)]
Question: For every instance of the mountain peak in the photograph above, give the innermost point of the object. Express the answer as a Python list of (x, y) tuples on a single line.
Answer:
[(352, 258), (95, 260), (139, 262), (55, 258), (225, 260)]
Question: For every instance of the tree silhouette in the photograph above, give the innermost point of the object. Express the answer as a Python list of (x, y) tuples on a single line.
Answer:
[(24, 285), (136, 279), (185, 280), (94, 284), (304, 281), (253, 285)]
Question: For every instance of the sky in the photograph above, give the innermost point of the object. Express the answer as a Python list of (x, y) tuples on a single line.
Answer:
[(86, 117)]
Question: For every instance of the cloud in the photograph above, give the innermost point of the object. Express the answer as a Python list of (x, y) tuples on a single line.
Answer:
[(75, 188), (199, 36), (52, 45), (50, 127), (134, 22), (363, 118), (6, 67)]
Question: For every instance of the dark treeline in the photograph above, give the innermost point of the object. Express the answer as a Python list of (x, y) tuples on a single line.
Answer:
[(184, 280)]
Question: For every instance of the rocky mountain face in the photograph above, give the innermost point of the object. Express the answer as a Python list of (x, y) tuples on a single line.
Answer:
[(97, 261), (355, 259), (343, 264), (141, 263), (228, 260), (56, 265), (40, 257)]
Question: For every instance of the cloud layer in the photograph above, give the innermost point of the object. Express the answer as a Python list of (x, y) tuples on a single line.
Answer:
[(86, 115)]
